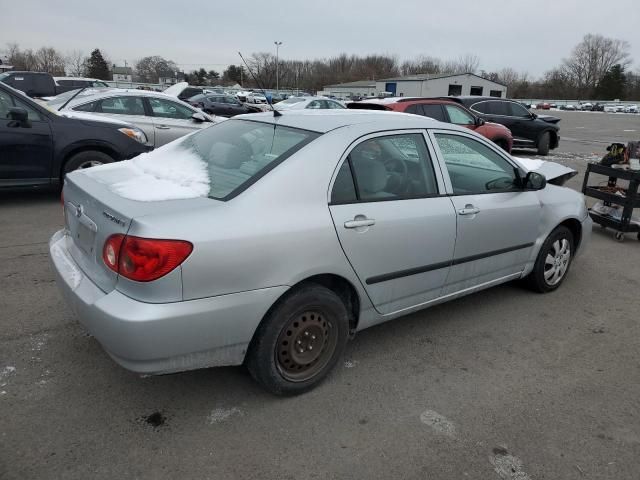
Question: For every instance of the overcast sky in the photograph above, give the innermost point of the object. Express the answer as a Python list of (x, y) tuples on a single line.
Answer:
[(528, 35)]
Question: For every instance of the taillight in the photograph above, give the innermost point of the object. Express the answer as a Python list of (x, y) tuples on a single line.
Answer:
[(144, 259)]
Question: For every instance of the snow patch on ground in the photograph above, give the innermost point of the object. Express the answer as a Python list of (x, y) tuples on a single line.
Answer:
[(171, 172), (350, 363), (5, 372), (438, 423), (219, 415), (508, 467)]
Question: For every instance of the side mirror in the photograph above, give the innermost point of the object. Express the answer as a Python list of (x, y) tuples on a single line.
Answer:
[(20, 116), (533, 115), (535, 181), (480, 121), (198, 117)]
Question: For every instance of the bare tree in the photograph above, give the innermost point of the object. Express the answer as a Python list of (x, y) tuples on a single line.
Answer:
[(76, 63), (592, 58), (50, 60)]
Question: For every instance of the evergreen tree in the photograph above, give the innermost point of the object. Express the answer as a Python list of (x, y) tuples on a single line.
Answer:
[(97, 66), (613, 84)]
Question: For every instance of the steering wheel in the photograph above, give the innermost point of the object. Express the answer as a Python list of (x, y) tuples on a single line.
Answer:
[(502, 183), (397, 175)]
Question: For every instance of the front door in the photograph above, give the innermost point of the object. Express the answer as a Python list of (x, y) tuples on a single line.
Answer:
[(498, 221), (172, 120), (394, 228), (26, 150)]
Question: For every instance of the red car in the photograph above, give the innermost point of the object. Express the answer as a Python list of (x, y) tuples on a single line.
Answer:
[(443, 110)]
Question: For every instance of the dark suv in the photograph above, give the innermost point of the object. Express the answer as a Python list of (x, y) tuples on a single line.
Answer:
[(222, 105), (540, 132), (38, 146)]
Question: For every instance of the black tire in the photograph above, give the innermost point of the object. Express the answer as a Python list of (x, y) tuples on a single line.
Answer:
[(281, 356), (86, 159), (544, 143), (538, 278)]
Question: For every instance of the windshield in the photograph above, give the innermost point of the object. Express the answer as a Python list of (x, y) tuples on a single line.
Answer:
[(237, 153), (4, 75)]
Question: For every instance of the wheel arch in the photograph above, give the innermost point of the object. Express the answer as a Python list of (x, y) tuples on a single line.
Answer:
[(69, 154), (575, 227), (337, 284)]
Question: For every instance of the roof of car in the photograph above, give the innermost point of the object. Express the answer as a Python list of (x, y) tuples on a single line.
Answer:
[(326, 120), (97, 93), (390, 100)]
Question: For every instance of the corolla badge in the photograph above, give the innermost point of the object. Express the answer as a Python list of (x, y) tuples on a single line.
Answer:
[(113, 218)]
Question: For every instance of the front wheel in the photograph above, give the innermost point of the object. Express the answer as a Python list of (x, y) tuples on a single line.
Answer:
[(553, 261), (86, 159), (299, 341), (544, 143)]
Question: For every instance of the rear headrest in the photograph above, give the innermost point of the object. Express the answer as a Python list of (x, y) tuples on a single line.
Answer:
[(371, 174), (226, 155)]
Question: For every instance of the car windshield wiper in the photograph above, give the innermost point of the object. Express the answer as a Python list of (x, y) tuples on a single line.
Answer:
[(72, 97)]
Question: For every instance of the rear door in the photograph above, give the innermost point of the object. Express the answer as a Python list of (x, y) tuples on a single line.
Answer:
[(395, 228), (523, 125), (171, 120), (26, 151), (497, 221)]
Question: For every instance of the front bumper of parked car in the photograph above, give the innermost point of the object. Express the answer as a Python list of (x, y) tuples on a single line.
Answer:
[(155, 338)]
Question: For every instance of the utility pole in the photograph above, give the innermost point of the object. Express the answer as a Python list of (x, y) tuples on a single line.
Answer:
[(277, 44)]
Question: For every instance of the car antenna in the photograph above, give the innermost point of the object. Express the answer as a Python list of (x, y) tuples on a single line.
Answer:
[(276, 113), (72, 97)]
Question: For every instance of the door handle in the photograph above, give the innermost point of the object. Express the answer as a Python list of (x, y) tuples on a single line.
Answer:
[(359, 222), (163, 127), (468, 210)]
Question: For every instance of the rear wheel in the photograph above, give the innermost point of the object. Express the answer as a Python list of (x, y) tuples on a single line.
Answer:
[(299, 341), (544, 143), (553, 261), (86, 159)]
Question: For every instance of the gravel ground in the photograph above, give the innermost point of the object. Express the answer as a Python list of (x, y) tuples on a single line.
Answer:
[(503, 384)]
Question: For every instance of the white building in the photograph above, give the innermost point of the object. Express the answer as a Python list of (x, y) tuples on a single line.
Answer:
[(361, 88), (122, 74), (423, 85)]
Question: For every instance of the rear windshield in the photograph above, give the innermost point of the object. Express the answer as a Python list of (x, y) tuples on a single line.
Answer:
[(238, 153)]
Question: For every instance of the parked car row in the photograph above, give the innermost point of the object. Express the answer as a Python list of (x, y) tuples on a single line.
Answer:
[(505, 122)]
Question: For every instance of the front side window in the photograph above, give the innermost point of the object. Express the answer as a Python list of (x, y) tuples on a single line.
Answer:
[(334, 105), (237, 153), (393, 167), (168, 109), (459, 116), (518, 110), (121, 106), (8, 101), (473, 167), (314, 105)]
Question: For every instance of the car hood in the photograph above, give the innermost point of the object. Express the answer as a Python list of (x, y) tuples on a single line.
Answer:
[(549, 118), (554, 172), (175, 90)]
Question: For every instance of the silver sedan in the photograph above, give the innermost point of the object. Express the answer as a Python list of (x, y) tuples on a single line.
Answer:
[(163, 118), (270, 240)]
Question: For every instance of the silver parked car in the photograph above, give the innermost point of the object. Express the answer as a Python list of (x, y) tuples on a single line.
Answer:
[(270, 240), (163, 118), (317, 103)]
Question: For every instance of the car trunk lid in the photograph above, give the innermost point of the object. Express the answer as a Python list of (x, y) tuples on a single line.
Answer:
[(93, 212)]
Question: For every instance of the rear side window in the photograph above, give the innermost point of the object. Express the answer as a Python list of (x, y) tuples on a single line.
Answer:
[(87, 107), (493, 108), (393, 167), (237, 153), (434, 111), (121, 106)]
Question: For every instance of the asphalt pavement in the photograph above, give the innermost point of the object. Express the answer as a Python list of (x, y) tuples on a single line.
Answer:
[(502, 384)]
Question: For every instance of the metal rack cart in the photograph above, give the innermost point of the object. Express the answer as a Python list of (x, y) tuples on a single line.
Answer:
[(629, 201)]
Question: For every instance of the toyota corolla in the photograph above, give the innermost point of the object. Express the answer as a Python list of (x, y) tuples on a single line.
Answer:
[(271, 239)]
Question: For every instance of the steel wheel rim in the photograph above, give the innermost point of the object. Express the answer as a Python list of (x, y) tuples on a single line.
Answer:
[(305, 346), (89, 164), (557, 261)]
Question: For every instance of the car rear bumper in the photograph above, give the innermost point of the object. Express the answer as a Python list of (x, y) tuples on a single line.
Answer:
[(157, 338)]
